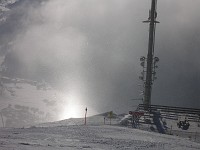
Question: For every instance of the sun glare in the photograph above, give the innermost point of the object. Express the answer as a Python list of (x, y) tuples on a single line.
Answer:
[(72, 107), (73, 111)]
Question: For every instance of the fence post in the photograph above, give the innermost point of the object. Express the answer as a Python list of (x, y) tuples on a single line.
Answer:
[(195, 136), (2, 120), (171, 130), (85, 114)]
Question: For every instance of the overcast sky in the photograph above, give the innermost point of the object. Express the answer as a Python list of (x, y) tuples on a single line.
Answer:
[(91, 49)]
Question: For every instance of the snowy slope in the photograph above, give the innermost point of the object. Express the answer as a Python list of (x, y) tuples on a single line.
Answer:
[(5, 3), (4, 8), (102, 137), (72, 134), (92, 120), (25, 102)]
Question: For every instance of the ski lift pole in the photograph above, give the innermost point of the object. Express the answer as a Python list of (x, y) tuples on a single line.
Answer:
[(85, 114)]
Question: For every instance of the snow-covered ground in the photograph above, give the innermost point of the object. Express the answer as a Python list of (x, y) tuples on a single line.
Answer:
[(25, 102), (99, 137), (72, 134), (4, 8)]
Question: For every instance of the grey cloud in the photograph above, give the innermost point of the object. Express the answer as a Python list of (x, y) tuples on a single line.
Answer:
[(95, 46)]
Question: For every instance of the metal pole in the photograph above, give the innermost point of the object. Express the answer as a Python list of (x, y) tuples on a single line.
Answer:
[(85, 115), (149, 69), (2, 120)]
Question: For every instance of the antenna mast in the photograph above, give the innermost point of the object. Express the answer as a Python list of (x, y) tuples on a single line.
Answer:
[(149, 63)]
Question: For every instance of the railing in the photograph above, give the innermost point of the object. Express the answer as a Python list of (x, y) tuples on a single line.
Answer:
[(169, 112)]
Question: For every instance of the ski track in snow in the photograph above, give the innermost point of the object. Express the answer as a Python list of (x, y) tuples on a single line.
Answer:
[(89, 137)]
